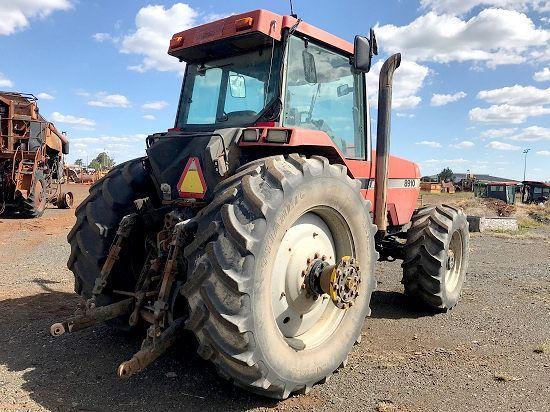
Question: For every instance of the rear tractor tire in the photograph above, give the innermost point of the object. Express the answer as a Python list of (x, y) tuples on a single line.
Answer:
[(250, 310), (436, 256), (97, 220)]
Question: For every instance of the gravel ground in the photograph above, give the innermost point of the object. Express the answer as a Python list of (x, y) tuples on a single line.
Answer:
[(481, 356)]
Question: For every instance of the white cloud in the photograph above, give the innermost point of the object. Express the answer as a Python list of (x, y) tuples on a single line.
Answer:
[(409, 79), (15, 14), (446, 161), (466, 144), (506, 113), (407, 115), (544, 152), (494, 36), (45, 96), (155, 26), (464, 6), (103, 99), (495, 133), (104, 139), (443, 99), (502, 146), (158, 105), (148, 117), (4, 81), (73, 120), (121, 148), (103, 37), (429, 143), (543, 75), (532, 134), (516, 96)]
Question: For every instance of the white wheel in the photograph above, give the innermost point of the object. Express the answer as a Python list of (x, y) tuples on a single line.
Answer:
[(296, 312)]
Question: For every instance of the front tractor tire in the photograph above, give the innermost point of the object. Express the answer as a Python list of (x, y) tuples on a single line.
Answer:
[(97, 220), (250, 311), (436, 256)]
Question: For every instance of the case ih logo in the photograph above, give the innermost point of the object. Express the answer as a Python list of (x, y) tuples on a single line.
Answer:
[(192, 183)]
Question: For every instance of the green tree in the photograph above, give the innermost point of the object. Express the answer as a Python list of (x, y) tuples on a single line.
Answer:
[(102, 162), (446, 175), (79, 162)]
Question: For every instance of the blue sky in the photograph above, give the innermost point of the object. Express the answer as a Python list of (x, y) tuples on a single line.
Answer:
[(472, 93)]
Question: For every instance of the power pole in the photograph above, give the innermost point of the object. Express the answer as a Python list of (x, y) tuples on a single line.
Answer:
[(525, 151)]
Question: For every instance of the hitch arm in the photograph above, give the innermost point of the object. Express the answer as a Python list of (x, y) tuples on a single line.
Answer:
[(92, 316), (150, 351)]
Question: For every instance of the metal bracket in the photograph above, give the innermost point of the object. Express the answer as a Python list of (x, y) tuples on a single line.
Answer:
[(123, 233)]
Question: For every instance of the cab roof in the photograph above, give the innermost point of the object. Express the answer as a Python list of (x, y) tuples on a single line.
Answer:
[(535, 183), (261, 24)]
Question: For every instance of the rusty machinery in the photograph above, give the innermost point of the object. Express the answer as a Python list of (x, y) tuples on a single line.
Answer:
[(31, 158), (252, 227)]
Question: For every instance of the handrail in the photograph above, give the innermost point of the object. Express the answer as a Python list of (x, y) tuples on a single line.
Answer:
[(14, 162)]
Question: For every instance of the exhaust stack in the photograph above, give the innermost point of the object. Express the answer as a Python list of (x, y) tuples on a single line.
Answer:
[(385, 85)]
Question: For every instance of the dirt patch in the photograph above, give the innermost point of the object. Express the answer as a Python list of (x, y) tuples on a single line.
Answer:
[(529, 216)]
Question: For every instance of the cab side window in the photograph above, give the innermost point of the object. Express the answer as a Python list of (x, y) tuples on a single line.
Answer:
[(324, 93)]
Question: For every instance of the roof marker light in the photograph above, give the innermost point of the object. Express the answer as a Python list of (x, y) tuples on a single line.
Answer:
[(244, 24), (176, 41)]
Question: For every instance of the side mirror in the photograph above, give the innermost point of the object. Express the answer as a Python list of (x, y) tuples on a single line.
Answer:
[(363, 50), (310, 71), (237, 86)]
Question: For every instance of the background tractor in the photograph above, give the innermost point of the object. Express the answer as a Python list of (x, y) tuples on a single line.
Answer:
[(31, 158), (253, 226)]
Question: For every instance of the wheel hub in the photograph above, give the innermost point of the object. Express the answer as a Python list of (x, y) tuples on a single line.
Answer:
[(451, 260), (340, 282)]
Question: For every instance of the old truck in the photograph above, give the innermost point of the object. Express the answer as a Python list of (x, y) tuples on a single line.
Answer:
[(31, 158), (253, 226)]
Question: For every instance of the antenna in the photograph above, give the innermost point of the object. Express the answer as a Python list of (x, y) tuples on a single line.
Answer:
[(292, 11)]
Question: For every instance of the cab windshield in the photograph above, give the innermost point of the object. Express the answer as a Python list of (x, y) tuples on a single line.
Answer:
[(231, 91)]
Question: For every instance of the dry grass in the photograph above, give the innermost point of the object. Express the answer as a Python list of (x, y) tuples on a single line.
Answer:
[(542, 348), (505, 377), (529, 216)]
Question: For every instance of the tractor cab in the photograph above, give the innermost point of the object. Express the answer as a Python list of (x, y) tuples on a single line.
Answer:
[(505, 191), (535, 192), (272, 70)]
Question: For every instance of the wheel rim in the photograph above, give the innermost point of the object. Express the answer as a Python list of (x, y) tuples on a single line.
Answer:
[(69, 199), (304, 321), (454, 262)]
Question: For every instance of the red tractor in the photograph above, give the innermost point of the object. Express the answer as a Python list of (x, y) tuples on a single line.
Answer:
[(253, 226)]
